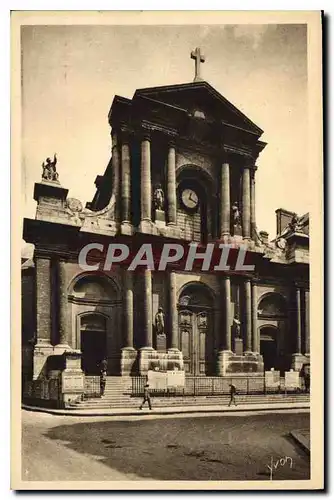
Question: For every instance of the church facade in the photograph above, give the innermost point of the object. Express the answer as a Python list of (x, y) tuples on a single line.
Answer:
[(182, 169)]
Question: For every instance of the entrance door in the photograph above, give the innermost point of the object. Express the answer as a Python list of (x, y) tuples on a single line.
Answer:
[(196, 341), (93, 341), (268, 347)]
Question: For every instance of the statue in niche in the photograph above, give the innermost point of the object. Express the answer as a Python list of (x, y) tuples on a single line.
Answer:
[(236, 214), (159, 198), (49, 169), (237, 327), (160, 322)]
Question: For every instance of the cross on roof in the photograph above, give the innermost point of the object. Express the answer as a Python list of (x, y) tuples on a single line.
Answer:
[(199, 58)]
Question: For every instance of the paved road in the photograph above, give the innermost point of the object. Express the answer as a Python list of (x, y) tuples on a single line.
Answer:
[(216, 447)]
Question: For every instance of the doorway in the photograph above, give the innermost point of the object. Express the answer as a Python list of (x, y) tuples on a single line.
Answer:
[(268, 347), (196, 330), (93, 342)]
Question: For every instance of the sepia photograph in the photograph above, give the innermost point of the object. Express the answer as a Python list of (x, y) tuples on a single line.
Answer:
[(168, 326)]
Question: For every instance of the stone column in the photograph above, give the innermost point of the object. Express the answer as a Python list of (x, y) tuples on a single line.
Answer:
[(43, 301), (307, 322), (126, 180), (115, 174), (225, 202), (248, 315), (128, 353), (226, 314), (147, 306), (145, 183), (225, 340), (255, 337), (246, 202), (252, 201), (63, 306), (171, 185), (298, 323), (173, 322), (128, 309)]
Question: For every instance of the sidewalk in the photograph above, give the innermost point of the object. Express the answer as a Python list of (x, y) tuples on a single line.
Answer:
[(124, 412), (302, 436)]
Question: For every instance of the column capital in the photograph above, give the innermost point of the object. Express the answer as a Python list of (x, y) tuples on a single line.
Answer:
[(114, 138), (302, 285), (41, 255), (125, 135), (145, 132)]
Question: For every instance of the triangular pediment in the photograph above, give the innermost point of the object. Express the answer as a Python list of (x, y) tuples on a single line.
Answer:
[(201, 100)]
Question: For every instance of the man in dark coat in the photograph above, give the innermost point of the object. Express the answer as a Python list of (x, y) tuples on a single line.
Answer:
[(233, 391), (147, 397), (103, 380)]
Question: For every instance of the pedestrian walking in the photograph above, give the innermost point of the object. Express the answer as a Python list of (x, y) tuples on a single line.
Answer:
[(233, 392), (103, 380), (147, 397)]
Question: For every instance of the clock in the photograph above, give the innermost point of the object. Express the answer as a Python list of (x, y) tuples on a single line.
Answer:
[(189, 199)]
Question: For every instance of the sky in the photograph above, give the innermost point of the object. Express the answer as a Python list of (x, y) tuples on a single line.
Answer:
[(70, 75)]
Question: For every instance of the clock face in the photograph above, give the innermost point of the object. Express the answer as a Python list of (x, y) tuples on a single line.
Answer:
[(189, 199)]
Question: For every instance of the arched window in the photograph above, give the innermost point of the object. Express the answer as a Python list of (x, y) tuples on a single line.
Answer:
[(94, 288), (195, 295), (272, 305)]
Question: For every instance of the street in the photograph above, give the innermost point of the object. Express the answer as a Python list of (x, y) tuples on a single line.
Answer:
[(235, 446)]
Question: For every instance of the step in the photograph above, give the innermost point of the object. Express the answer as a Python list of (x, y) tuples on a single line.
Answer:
[(168, 402)]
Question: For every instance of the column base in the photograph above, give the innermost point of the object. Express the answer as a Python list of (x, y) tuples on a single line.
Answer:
[(147, 358), (146, 226), (41, 353), (175, 357), (225, 238), (127, 228), (223, 359), (60, 348), (128, 361)]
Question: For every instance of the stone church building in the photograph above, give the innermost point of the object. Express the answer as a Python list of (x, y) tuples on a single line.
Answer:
[(182, 168)]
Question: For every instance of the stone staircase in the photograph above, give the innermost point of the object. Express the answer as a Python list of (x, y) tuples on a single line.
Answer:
[(118, 395)]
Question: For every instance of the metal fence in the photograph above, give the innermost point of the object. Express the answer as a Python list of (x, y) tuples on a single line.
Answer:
[(211, 386), (92, 387), (41, 389)]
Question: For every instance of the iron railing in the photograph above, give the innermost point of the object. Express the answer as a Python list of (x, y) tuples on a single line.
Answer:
[(92, 386), (211, 386)]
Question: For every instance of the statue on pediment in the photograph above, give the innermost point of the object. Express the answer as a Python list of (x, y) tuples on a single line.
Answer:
[(49, 169), (294, 226), (159, 198)]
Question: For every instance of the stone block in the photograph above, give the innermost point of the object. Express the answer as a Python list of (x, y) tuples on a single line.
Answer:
[(150, 359), (161, 343), (238, 346)]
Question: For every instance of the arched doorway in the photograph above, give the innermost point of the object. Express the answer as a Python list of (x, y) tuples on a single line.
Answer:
[(268, 346), (272, 320), (196, 329), (96, 326), (93, 341)]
